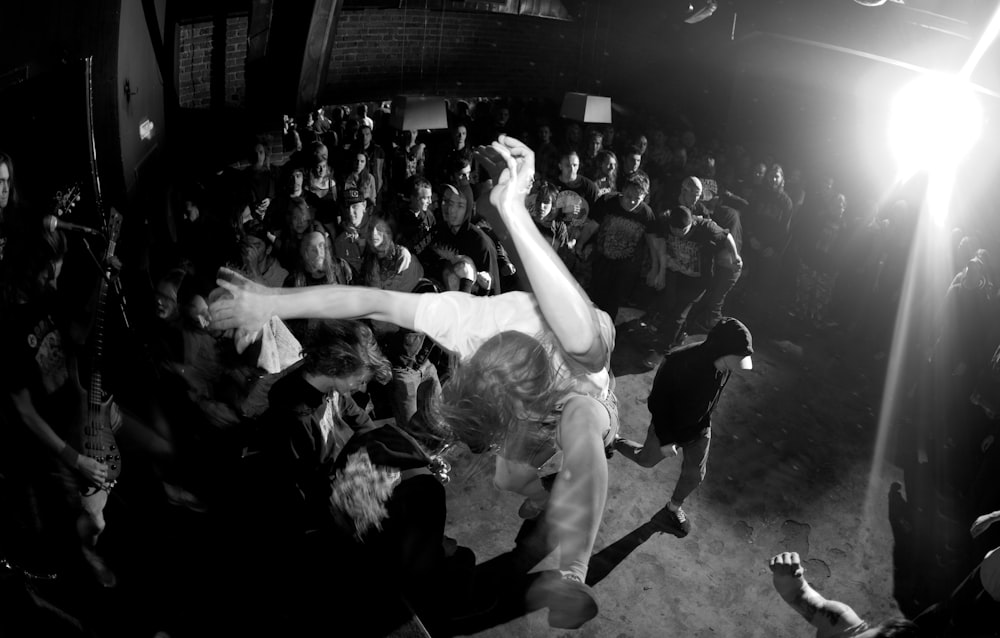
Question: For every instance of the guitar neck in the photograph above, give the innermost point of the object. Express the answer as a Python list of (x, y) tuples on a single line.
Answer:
[(96, 391)]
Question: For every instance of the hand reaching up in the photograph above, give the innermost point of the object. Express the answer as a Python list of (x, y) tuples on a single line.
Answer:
[(515, 179)]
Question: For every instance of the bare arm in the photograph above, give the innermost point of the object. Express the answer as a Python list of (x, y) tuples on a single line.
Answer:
[(829, 617), (730, 247), (95, 472), (252, 305), (563, 303)]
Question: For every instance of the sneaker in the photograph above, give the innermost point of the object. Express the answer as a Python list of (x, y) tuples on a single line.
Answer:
[(609, 450), (570, 601), (530, 511), (676, 523)]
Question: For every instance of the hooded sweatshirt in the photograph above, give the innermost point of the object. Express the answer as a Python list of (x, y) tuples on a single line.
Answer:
[(687, 385), (468, 240)]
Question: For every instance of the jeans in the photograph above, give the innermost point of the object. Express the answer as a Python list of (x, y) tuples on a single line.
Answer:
[(670, 308), (610, 281), (694, 467), (708, 310), (405, 385)]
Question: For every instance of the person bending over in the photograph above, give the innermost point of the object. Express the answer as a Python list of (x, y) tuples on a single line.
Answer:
[(534, 376)]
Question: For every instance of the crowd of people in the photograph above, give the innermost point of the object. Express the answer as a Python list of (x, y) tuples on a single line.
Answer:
[(335, 322)]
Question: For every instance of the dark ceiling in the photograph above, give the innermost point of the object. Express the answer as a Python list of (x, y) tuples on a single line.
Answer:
[(935, 34)]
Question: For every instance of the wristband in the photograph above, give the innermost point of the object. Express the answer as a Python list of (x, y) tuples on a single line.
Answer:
[(69, 455)]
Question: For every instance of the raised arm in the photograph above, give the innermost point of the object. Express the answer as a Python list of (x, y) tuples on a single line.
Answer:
[(249, 306), (829, 617), (564, 304)]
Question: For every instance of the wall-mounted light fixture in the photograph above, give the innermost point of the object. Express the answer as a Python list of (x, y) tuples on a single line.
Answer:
[(418, 113), (589, 109)]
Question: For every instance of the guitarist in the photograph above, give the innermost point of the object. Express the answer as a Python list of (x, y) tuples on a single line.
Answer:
[(41, 400)]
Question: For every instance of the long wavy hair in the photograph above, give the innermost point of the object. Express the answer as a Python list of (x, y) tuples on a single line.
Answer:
[(379, 263), (507, 383), (12, 198), (332, 272), (34, 250)]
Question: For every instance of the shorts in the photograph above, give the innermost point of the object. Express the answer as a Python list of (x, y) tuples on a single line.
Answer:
[(537, 444)]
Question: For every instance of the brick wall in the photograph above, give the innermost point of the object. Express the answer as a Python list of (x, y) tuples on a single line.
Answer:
[(236, 58), (381, 52), (194, 72), (195, 65)]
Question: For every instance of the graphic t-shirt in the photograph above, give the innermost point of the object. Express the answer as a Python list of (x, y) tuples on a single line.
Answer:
[(691, 255), (33, 349), (621, 232), (35, 360)]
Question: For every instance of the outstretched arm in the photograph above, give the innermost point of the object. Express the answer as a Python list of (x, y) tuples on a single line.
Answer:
[(829, 617), (251, 305), (563, 303)]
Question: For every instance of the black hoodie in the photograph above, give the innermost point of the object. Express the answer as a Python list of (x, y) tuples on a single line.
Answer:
[(687, 385)]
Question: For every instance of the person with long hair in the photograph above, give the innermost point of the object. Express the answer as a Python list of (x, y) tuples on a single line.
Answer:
[(533, 377), (58, 492), (8, 200), (607, 173)]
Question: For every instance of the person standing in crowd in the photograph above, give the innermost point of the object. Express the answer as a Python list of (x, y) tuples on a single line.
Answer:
[(767, 228), (259, 262), (8, 201), (570, 178), (686, 389), (460, 255), (625, 225), (61, 492), (533, 378)]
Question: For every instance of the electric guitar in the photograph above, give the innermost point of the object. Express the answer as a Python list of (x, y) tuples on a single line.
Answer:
[(103, 418)]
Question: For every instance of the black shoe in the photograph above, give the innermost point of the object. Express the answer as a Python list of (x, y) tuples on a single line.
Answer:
[(652, 359), (570, 601), (530, 511), (676, 523)]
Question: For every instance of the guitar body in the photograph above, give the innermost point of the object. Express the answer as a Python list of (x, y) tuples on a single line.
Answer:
[(99, 438)]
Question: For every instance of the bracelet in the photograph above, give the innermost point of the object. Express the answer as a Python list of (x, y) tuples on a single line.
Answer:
[(69, 455)]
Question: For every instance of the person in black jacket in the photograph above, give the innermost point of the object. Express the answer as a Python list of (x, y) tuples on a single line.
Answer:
[(686, 389)]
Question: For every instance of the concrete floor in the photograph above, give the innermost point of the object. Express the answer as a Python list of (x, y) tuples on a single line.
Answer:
[(791, 469)]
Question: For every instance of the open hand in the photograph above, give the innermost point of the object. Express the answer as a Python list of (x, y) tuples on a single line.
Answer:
[(246, 309)]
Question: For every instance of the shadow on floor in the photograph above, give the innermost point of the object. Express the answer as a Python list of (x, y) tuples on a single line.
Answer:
[(504, 580)]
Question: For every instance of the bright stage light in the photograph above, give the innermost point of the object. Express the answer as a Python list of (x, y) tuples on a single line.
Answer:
[(934, 121)]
